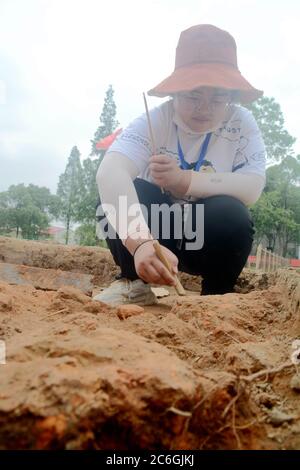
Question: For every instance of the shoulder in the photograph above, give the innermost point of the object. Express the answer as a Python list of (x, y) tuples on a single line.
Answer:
[(136, 135), (243, 115)]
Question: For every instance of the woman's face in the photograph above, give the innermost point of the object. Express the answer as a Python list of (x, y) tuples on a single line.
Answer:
[(203, 108)]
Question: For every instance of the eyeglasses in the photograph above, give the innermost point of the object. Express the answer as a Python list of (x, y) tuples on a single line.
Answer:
[(215, 101)]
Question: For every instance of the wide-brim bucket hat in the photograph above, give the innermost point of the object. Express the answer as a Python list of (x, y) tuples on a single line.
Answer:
[(206, 56)]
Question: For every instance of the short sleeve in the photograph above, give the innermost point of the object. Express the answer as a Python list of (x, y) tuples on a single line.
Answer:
[(135, 142), (250, 156)]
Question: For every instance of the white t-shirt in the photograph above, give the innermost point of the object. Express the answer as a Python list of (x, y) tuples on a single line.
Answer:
[(236, 145)]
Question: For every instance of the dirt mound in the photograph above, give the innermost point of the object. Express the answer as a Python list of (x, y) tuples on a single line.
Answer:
[(89, 260), (251, 280), (98, 262), (100, 382), (208, 372)]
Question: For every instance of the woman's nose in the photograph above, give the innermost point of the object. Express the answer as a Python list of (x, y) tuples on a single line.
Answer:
[(204, 103)]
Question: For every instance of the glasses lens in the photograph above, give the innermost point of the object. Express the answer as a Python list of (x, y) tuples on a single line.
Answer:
[(193, 98)]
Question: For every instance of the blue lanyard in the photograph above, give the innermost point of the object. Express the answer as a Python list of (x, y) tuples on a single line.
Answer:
[(189, 166)]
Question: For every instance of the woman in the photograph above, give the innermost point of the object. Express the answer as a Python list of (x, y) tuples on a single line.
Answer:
[(208, 154)]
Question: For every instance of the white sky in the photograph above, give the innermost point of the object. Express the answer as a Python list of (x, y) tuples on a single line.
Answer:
[(57, 58)]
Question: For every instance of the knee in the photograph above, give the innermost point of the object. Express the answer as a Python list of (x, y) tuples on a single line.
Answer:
[(146, 189), (227, 208), (227, 215)]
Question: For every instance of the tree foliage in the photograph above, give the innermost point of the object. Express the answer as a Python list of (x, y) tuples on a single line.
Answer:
[(26, 210), (69, 190), (269, 117), (89, 195), (108, 122), (90, 165), (277, 213), (86, 235)]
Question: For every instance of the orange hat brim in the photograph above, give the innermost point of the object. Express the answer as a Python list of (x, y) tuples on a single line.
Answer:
[(216, 75)]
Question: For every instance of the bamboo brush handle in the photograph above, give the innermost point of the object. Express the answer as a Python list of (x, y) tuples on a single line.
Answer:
[(178, 286)]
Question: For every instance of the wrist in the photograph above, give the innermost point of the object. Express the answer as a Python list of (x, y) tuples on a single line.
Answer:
[(186, 181), (134, 240), (141, 244), (182, 186)]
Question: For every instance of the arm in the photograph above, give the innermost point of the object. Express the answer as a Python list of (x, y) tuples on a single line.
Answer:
[(127, 158), (165, 172), (245, 187), (115, 179)]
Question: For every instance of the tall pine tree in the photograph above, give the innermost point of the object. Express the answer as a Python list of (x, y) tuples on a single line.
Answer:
[(69, 190), (108, 124)]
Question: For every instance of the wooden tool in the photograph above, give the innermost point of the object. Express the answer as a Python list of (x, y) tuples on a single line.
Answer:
[(150, 130), (178, 286)]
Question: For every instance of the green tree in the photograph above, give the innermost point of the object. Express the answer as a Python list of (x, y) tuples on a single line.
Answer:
[(275, 223), (270, 120), (5, 217), (277, 213), (69, 190), (108, 122), (284, 176), (87, 205), (32, 221), (26, 210), (44, 200), (90, 165), (85, 234)]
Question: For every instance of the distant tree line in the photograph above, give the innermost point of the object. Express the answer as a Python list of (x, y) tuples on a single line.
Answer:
[(276, 214), (28, 211)]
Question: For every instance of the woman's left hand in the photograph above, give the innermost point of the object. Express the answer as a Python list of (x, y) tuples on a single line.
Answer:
[(166, 173)]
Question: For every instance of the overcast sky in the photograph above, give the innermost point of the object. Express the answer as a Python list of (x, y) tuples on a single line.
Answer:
[(57, 58)]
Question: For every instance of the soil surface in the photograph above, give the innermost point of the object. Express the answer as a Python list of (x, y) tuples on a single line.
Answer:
[(193, 372)]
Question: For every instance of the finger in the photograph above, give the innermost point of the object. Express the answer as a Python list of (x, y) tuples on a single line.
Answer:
[(159, 167), (143, 274), (154, 275), (172, 258), (175, 268), (174, 263), (156, 272), (159, 181), (150, 275), (164, 273), (159, 176), (163, 159)]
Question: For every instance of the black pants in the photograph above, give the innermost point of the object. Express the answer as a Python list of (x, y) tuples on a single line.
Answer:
[(228, 237)]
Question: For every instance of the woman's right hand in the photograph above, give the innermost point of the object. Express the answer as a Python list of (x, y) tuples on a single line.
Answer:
[(149, 267)]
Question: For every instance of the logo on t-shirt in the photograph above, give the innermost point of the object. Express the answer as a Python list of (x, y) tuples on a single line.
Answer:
[(207, 167)]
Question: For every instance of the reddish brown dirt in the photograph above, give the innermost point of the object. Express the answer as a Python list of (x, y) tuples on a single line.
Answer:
[(79, 374), (91, 260)]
